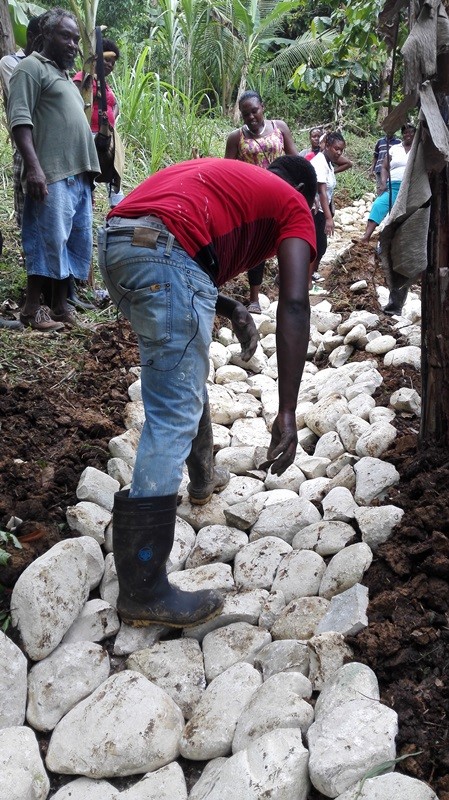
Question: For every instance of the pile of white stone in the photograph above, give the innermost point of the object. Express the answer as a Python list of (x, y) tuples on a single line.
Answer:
[(267, 693)]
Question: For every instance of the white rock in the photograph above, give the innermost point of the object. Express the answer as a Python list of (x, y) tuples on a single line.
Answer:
[(300, 618), (176, 666), (326, 413), (376, 524), (134, 416), (345, 569), (340, 355), (238, 460), (278, 703), (183, 544), (167, 783), (210, 731), (406, 400), (230, 373), (286, 655), (373, 479), (259, 383), (125, 446), (120, 471), (376, 440), (13, 683), (126, 727), (324, 320), (272, 606), (97, 621), (291, 479), (219, 353), (135, 391), (361, 405), (337, 466), (356, 336), (381, 345), (350, 429), (365, 318), (208, 576), (299, 574), (48, 597), (237, 607), (365, 383), (404, 355), (326, 537), (329, 446), (358, 286), (109, 581), (347, 612), (230, 645), (240, 488), (216, 543), (389, 787), (339, 505), (244, 515), (268, 344), (87, 789), (381, 413), (89, 519), (221, 436), (347, 742), (247, 432), (315, 489), (22, 773), (94, 559), (256, 363), (285, 519), (130, 639), (226, 407), (327, 653), (353, 681), (59, 682), (273, 766), (312, 466), (212, 513)]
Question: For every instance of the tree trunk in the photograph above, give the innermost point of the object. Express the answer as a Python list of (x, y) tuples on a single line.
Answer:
[(435, 321), (7, 43)]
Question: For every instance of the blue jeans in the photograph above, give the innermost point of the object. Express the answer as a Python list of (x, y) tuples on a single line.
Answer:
[(170, 303), (57, 231)]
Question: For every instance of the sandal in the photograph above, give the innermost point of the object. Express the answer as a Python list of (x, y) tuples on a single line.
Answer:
[(254, 308)]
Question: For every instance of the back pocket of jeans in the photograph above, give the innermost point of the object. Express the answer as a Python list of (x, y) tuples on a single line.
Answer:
[(151, 311)]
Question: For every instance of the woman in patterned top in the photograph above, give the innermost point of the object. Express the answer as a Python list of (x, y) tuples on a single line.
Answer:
[(259, 141)]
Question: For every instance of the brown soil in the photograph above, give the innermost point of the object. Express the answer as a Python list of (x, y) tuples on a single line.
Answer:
[(56, 425)]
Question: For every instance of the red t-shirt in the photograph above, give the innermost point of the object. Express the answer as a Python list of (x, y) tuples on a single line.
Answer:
[(223, 212)]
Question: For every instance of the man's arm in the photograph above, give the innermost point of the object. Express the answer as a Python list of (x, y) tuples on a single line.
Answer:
[(35, 178), (232, 144), (242, 324), (292, 338), (324, 202)]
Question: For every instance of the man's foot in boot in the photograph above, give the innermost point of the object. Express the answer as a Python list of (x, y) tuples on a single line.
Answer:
[(200, 495), (171, 607)]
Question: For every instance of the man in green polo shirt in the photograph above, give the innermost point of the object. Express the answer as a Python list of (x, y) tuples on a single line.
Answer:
[(50, 129)]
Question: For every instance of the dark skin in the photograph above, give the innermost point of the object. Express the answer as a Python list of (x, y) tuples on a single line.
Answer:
[(242, 324), (61, 47)]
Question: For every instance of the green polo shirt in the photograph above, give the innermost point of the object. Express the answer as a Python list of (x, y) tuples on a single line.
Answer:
[(45, 98)]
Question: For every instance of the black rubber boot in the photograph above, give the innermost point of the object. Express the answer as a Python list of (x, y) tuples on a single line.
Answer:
[(396, 301), (205, 479), (143, 534), (74, 299)]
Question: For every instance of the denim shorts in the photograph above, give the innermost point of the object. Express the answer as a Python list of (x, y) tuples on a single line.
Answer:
[(57, 231), (170, 303)]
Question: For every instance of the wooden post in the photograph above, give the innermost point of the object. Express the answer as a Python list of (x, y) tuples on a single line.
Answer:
[(434, 429), (7, 43)]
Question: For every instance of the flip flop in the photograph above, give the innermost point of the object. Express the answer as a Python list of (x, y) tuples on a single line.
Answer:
[(254, 308)]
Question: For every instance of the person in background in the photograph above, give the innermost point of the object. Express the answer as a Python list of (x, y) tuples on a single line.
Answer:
[(380, 151), (323, 164), (49, 126), (259, 141), (315, 135), (162, 260)]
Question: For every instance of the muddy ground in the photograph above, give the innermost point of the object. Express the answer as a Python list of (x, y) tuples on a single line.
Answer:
[(58, 418)]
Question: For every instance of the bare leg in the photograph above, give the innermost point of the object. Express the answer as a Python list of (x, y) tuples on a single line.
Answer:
[(370, 228)]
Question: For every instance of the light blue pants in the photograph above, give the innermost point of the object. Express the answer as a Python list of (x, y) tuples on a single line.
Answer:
[(170, 303), (57, 231)]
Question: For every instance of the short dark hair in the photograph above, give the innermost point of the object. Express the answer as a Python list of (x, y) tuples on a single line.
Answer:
[(332, 137), (248, 95), (110, 46), (408, 125), (298, 172)]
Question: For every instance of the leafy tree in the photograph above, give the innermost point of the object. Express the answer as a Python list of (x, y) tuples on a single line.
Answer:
[(356, 57)]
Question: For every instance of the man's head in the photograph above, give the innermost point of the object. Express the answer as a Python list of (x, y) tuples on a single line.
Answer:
[(111, 54), (60, 37), (299, 173), (33, 33)]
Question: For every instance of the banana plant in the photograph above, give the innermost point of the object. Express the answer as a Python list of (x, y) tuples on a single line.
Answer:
[(85, 12)]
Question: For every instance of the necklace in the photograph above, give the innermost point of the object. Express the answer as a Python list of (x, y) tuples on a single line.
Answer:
[(257, 135)]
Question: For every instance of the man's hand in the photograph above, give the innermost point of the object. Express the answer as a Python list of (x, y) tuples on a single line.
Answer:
[(329, 227), (284, 441), (36, 183), (242, 324), (245, 330)]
